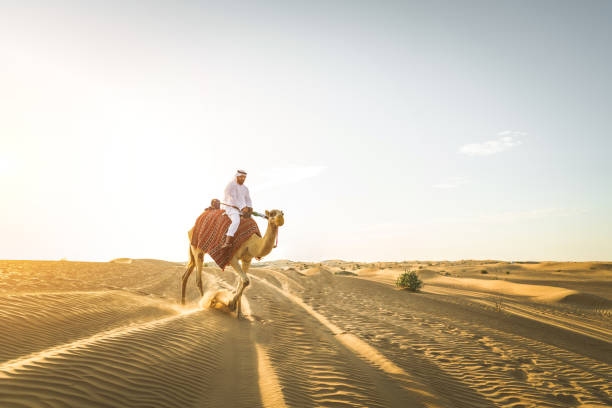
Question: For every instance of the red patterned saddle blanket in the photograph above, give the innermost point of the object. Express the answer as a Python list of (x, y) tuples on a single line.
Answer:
[(210, 229)]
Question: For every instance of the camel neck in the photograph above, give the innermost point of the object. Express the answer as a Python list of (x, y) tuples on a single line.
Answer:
[(267, 242)]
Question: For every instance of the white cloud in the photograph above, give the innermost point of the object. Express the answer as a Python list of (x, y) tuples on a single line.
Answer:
[(507, 139), (282, 176), (452, 182)]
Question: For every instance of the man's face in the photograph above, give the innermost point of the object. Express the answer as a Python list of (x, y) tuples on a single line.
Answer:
[(240, 179)]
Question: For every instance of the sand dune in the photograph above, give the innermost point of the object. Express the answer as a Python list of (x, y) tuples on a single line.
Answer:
[(537, 293), (112, 334)]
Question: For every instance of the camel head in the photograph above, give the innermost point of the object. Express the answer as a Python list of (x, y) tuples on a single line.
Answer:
[(275, 217)]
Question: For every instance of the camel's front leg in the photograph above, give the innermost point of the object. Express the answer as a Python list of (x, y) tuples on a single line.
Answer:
[(246, 264), (234, 304), (244, 279)]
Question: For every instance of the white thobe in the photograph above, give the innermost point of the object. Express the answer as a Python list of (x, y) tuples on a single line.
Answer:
[(238, 196)]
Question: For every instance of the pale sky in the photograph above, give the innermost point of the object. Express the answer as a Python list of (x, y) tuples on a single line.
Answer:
[(408, 130)]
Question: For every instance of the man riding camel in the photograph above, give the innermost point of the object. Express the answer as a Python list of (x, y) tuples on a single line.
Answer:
[(236, 203)]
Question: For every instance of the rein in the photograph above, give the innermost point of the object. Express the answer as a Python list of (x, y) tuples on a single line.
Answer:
[(255, 213)]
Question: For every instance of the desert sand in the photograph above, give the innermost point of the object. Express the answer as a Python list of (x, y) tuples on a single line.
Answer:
[(335, 333)]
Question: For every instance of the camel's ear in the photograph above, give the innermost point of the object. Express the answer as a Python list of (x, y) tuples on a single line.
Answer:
[(267, 213)]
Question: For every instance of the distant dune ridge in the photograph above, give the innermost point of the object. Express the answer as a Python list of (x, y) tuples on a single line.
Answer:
[(122, 260), (334, 333)]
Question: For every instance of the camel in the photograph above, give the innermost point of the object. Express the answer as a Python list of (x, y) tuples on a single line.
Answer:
[(254, 247)]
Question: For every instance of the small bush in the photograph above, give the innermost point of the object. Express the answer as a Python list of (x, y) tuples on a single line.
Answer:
[(410, 281), (484, 272)]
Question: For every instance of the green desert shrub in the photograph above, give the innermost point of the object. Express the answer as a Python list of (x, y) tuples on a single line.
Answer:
[(410, 281)]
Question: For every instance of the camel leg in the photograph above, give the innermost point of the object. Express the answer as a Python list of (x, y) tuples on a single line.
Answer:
[(244, 282), (246, 264), (186, 275), (199, 261), (237, 302)]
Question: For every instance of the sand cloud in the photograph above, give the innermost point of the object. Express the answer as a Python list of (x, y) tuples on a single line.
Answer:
[(506, 140)]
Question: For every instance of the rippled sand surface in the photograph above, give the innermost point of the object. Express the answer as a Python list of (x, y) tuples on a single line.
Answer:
[(334, 334)]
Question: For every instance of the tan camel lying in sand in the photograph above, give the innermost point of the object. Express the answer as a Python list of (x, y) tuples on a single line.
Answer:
[(254, 247)]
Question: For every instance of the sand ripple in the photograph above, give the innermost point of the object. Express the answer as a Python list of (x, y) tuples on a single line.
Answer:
[(311, 339)]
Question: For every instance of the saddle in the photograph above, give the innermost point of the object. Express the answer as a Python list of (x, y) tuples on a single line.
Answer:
[(209, 232)]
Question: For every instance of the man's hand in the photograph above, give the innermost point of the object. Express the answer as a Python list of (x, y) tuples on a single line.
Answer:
[(246, 212)]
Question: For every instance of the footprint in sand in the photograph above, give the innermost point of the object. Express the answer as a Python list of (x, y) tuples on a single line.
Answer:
[(523, 361), (603, 397), (518, 373), (566, 398)]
